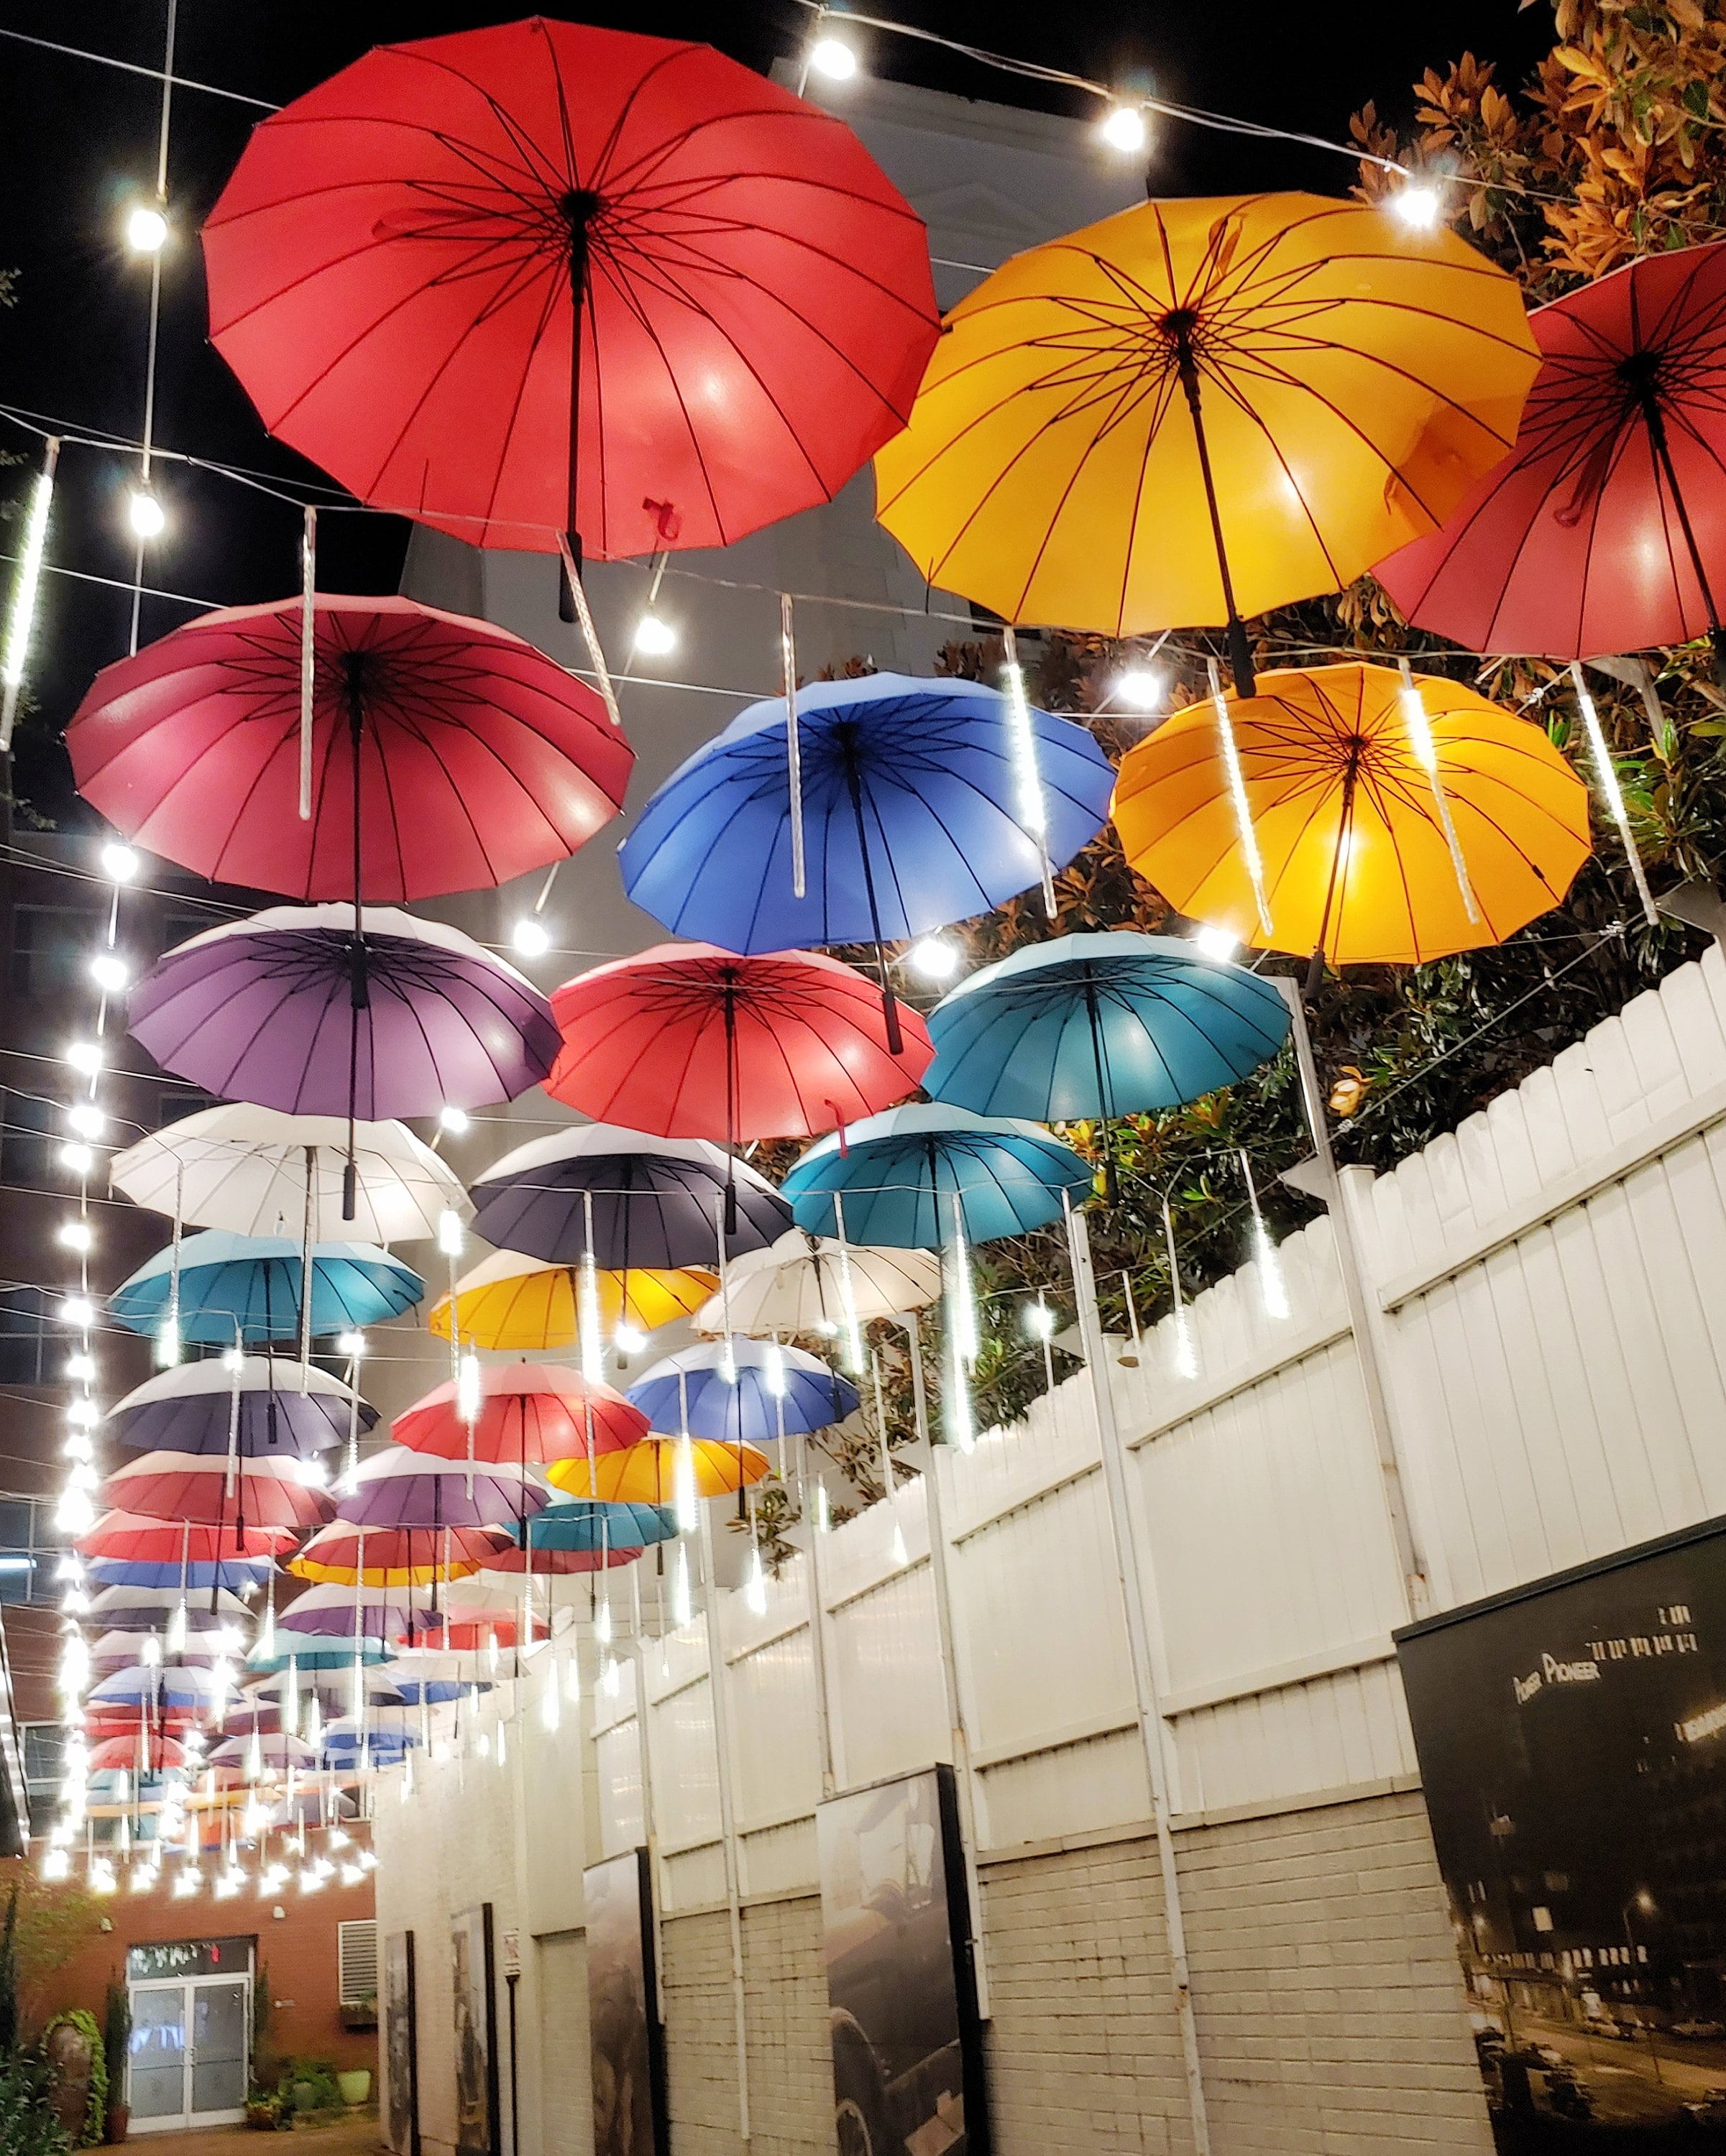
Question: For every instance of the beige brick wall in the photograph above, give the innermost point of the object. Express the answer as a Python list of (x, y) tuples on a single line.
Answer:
[(785, 2004), (1331, 2012), (566, 2089), (701, 2035)]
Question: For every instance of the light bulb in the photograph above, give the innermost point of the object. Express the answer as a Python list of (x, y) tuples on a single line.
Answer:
[(78, 1310), (1039, 1321), (1139, 690), (82, 1413), (628, 1341), (109, 973), (77, 1156), (451, 1239), (1124, 128), (145, 229), (77, 1446), (87, 1121), (146, 514), (834, 58), (468, 1390), (233, 1360), (120, 864), (1216, 943), (1417, 205), (77, 1236), (351, 1344), (653, 637), (531, 936), (934, 959), (455, 1120)]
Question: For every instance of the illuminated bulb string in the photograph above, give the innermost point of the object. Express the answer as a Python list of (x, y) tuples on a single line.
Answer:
[(1607, 776), (1028, 779), (1237, 796), (1425, 752)]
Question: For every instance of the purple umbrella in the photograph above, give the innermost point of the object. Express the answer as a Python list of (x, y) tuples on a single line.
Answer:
[(333, 1010), (191, 1408), (397, 1488), (331, 1612)]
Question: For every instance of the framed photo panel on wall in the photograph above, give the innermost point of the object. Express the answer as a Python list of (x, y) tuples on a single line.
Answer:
[(625, 2039), (476, 2099), (401, 2044)]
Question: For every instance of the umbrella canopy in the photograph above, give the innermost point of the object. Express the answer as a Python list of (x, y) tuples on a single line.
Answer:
[(480, 758), (290, 1009), (336, 1685), (430, 1679), (397, 1488), (526, 1306), (247, 1168), (577, 1526), (399, 263), (194, 1487), (122, 1646), (912, 816), (905, 1174), (470, 1632), (529, 1412), (312, 1652), (654, 1201), (125, 1755), (343, 1615), (1356, 864), (695, 1042), (272, 1750), (1200, 410), (1100, 1025), (231, 1575), (147, 1609), (138, 1538), (776, 1391), (561, 1563), (647, 1473), (248, 1287), (1605, 530), (798, 1285), (191, 1408), (175, 1689), (394, 1557)]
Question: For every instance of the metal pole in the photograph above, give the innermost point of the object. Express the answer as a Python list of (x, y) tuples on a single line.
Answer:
[(1144, 1676), (818, 1632), (1335, 1197), (512, 1978), (960, 1737), (727, 1817), (650, 1828)]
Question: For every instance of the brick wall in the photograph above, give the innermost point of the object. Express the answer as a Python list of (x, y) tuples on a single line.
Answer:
[(701, 2045), (785, 2008), (566, 2092)]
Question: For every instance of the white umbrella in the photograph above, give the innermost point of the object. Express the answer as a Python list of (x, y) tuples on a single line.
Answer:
[(113, 1603), (245, 1168), (798, 1285)]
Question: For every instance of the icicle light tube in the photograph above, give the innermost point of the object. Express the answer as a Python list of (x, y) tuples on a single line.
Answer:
[(1606, 775), (1425, 752), (1237, 795), (1032, 809), (23, 617)]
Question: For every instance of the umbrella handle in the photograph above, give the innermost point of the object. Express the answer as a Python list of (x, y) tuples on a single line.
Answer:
[(1183, 321)]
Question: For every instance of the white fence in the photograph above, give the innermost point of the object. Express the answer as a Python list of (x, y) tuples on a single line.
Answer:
[(1545, 1292)]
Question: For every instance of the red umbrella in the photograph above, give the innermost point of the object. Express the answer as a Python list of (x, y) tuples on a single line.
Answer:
[(466, 1635), (480, 758), (686, 1040), (334, 1554), (186, 1486), (126, 1752), (556, 1563), (145, 1541), (396, 264), (1605, 529), (530, 1412)]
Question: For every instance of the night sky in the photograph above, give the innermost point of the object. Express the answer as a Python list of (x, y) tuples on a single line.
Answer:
[(78, 143)]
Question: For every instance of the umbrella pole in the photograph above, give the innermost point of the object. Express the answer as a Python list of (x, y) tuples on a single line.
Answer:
[(730, 1112), (1655, 420), (1182, 321), (578, 205), (305, 1270), (359, 996), (890, 1008), (1345, 833), (1111, 1186)]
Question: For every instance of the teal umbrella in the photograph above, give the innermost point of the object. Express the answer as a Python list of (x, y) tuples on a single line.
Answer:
[(247, 1287), (583, 1524)]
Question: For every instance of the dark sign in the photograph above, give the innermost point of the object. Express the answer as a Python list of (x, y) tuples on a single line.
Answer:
[(401, 2044), (907, 2052), (477, 2100), (625, 2040), (1572, 1739), (188, 1957)]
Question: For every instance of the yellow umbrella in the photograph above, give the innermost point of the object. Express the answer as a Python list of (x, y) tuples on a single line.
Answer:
[(1346, 820), (522, 1305), (646, 1474), (1197, 410)]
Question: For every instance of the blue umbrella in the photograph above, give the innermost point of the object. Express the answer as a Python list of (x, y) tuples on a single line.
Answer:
[(312, 1654), (748, 1411), (189, 1689), (899, 1174), (582, 1523), (1100, 1025), (910, 814), (251, 1284), (236, 1573)]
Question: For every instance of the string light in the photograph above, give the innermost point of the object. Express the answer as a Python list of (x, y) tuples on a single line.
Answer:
[(77, 1236), (934, 958), (1186, 1349), (77, 1156), (531, 937), (451, 1240), (1271, 1281), (833, 58), (120, 864), (1606, 776), (146, 514), (145, 229), (453, 1120), (1124, 128), (86, 1120), (1417, 205), (627, 1340), (655, 637), (1218, 943), (25, 588), (109, 973), (1139, 690)]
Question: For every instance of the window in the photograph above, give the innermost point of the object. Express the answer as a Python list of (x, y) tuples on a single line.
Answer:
[(26, 1339), (45, 1756), (357, 1961), (28, 1140), (49, 945)]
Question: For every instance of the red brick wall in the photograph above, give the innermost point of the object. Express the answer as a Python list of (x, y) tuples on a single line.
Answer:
[(296, 1951)]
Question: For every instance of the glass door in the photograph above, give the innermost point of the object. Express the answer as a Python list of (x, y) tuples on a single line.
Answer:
[(220, 2013), (156, 2067), (188, 2062)]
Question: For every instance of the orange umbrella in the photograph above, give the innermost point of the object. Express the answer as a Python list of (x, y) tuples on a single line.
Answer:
[(647, 1474)]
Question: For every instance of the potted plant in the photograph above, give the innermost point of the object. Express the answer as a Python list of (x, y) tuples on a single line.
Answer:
[(263, 2113), (360, 2014), (116, 2046), (355, 2085)]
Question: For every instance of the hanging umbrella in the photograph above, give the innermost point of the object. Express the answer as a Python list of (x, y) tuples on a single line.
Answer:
[(249, 1286), (914, 815), (653, 1201), (528, 1306), (578, 1527), (332, 1685), (147, 1609), (205, 1490), (1202, 409), (903, 1175), (275, 1751), (695, 1042), (562, 1563), (1094, 1026), (122, 1754), (248, 1169), (229, 1577), (397, 1488), (398, 263), (351, 1615), (647, 1474), (743, 1391), (529, 1412), (191, 1408), (800, 1285), (117, 1649), (163, 1689), (468, 1632), (394, 1557), (480, 758), (310, 1652), (425, 1679), (1356, 862), (350, 1011), (1605, 530), (139, 1539)]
